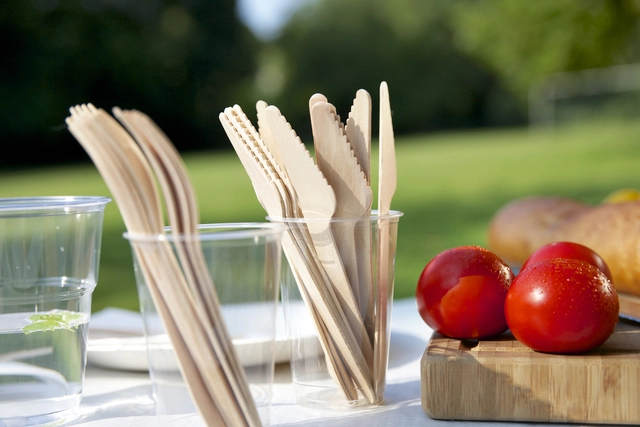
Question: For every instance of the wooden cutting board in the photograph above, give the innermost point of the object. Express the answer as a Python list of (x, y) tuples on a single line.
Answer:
[(501, 379), (629, 306)]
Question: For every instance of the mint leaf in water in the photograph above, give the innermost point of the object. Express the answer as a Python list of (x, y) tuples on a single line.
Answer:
[(57, 319), (42, 325)]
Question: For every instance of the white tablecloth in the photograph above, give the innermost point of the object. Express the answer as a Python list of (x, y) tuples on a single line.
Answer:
[(122, 399)]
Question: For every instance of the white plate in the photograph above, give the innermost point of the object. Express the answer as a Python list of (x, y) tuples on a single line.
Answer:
[(116, 341)]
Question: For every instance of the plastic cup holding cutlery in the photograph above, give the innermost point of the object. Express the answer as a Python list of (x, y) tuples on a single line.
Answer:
[(337, 293), (244, 262), (49, 259), (340, 254)]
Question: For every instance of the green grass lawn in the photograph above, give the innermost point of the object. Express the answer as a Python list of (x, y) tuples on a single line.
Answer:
[(449, 186)]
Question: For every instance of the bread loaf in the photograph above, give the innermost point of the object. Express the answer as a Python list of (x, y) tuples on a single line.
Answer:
[(612, 230)]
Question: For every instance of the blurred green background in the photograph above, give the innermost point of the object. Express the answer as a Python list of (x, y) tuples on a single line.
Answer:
[(492, 100)]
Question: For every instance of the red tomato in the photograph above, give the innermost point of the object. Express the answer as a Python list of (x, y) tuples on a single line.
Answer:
[(568, 250), (461, 293), (561, 306)]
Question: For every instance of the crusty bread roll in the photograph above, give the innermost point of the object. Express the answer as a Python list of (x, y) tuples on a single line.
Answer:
[(612, 230)]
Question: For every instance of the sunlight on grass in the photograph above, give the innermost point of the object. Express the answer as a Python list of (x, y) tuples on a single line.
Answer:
[(449, 187)]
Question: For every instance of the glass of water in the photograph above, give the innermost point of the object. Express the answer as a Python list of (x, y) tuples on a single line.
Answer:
[(49, 257)]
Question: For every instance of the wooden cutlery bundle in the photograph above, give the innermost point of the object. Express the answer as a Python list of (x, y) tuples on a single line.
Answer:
[(326, 205)]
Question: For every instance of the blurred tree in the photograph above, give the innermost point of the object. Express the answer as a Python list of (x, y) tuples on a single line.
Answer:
[(337, 47), (175, 60), (525, 41)]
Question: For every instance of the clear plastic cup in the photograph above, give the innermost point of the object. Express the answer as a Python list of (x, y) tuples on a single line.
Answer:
[(321, 372), (244, 261), (49, 258)]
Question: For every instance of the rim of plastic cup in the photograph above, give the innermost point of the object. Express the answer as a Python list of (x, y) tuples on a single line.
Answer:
[(392, 215), (66, 291), (208, 232), (54, 203)]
